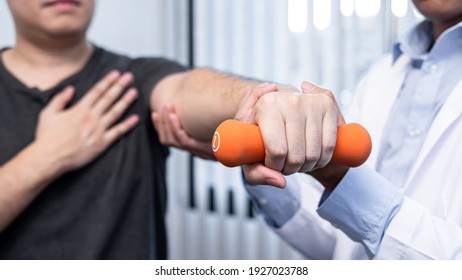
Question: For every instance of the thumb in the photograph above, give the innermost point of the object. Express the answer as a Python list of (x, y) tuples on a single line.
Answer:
[(251, 96), (60, 100), (312, 88), (258, 174)]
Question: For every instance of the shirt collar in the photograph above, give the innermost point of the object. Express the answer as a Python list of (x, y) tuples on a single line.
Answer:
[(417, 42)]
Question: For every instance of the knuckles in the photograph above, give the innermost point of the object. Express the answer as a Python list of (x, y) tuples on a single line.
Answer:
[(293, 164), (313, 156), (276, 152)]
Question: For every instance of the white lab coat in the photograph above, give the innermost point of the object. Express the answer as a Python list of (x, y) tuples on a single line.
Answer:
[(428, 224)]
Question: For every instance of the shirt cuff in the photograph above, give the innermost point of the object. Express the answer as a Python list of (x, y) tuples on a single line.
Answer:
[(362, 206), (277, 206)]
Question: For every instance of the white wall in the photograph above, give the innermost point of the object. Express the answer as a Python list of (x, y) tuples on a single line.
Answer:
[(6, 26), (136, 27)]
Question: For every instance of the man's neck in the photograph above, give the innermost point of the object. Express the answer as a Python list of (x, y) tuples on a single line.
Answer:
[(440, 27), (43, 67)]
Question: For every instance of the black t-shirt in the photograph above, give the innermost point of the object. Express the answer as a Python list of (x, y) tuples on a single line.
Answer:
[(113, 208)]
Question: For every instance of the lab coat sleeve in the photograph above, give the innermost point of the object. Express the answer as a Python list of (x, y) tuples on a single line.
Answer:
[(411, 232), (388, 224), (414, 233)]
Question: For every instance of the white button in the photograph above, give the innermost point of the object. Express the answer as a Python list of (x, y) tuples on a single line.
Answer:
[(433, 69), (415, 132), (263, 201)]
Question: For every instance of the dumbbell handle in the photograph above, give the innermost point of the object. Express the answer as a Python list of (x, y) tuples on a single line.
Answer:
[(236, 143)]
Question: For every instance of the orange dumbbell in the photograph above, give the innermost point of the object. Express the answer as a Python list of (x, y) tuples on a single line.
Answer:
[(236, 143)]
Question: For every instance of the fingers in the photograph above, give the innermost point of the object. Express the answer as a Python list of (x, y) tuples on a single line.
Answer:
[(112, 93), (271, 121), (296, 132), (102, 102), (309, 87), (157, 121), (105, 92), (171, 132), (59, 101), (299, 131), (119, 108), (183, 138), (103, 105), (120, 129), (99, 89), (251, 96), (163, 126), (329, 139), (258, 174), (329, 126)]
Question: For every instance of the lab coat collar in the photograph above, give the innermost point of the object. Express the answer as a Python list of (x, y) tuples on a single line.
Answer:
[(419, 40), (416, 42)]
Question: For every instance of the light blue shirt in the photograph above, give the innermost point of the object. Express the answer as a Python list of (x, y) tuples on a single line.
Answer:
[(365, 201), (432, 77), (276, 205)]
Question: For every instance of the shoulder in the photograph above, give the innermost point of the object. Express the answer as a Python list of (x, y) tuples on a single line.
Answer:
[(149, 71), (155, 65), (140, 64), (111, 57)]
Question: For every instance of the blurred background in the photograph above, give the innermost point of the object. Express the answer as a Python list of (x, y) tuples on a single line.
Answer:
[(329, 42)]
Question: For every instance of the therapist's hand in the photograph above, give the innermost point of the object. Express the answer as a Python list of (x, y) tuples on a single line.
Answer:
[(299, 133), (171, 133), (330, 175)]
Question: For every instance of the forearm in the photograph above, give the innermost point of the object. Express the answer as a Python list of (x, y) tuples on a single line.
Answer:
[(202, 99), (330, 176), (22, 179)]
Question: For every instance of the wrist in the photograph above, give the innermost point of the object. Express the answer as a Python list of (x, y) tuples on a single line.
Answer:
[(288, 89), (330, 176), (26, 173), (46, 164)]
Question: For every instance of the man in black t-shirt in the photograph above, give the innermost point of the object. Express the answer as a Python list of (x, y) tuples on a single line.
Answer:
[(102, 210), (81, 167)]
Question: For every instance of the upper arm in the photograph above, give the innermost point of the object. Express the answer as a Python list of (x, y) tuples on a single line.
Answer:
[(149, 73), (165, 90)]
